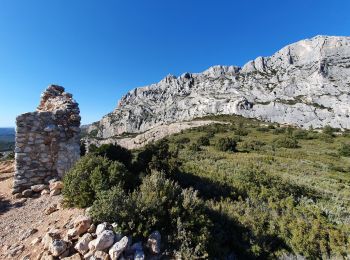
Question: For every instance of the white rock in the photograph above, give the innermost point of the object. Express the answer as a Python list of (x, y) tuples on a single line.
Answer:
[(153, 242), (103, 241), (101, 227), (303, 84), (117, 249), (82, 246), (58, 247)]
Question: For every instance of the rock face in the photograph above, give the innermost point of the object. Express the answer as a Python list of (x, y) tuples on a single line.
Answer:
[(305, 84), (47, 140)]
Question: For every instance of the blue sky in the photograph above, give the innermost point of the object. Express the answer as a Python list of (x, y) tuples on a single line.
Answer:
[(98, 50)]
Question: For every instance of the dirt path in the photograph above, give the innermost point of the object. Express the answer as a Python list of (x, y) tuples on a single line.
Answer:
[(23, 220)]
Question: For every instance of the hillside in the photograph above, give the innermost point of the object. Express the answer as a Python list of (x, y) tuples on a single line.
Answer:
[(251, 190), (264, 198), (7, 139), (303, 84)]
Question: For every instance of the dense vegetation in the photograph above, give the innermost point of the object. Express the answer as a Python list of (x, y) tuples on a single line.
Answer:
[(252, 189)]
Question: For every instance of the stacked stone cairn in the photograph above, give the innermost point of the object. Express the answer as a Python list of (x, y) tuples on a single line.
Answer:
[(47, 140)]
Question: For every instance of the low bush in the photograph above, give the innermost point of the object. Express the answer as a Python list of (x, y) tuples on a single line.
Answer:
[(344, 149), (328, 130), (91, 175), (115, 153), (263, 129), (203, 141), (194, 147), (286, 142), (301, 134), (327, 138), (278, 131), (159, 204), (157, 156), (183, 140), (252, 145), (226, 144)]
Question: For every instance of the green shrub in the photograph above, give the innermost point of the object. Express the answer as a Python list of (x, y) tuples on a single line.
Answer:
[(253, 145), (286, 142), (226, 144), (115, 153), (89, 176), (278, 131), (263, 129), (112, 204), (344, 149), (328, 130), (194, 147), (157, 156), (301, 134), (183, 140), (326, 137), (82, 148), (159, 204), (203, 141), (241, 132)]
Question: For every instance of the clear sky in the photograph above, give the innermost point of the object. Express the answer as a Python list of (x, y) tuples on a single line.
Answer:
[(99, 49)]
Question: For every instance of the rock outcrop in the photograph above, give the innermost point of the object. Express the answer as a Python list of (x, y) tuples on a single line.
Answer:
[(305, 84), (47, 140)]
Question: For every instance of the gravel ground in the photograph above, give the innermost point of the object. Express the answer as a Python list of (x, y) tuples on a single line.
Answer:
[(23, 220)]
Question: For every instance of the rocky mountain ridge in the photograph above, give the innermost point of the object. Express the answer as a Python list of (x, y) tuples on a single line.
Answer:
[(305, 84)]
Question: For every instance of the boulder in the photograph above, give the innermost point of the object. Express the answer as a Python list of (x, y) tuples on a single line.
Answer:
[(100, 255), (92, 228), (103, 241), (55, 192), (81, 225), (38, 187), (57, 185), (27, 193), (58, 247), (153, 242), (49, 237), (50, 209), (82, 246), (17, 195), (45, 192), (118, 248), (101, 227)]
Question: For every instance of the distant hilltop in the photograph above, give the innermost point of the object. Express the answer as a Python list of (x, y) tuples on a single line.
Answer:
[(7, 138), (306, 84)]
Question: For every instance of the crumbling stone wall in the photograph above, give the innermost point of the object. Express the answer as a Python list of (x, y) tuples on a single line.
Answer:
[(47, 140)]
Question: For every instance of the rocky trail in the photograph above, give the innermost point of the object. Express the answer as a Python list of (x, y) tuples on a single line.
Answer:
[(25, 221)]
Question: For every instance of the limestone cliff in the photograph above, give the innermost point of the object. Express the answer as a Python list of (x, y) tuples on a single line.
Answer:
[(306, 84)]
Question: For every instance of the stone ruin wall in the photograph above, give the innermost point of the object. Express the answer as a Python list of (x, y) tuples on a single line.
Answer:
[(47, 140)]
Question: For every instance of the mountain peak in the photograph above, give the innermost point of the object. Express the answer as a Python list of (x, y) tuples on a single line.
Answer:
[(305, 83)]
